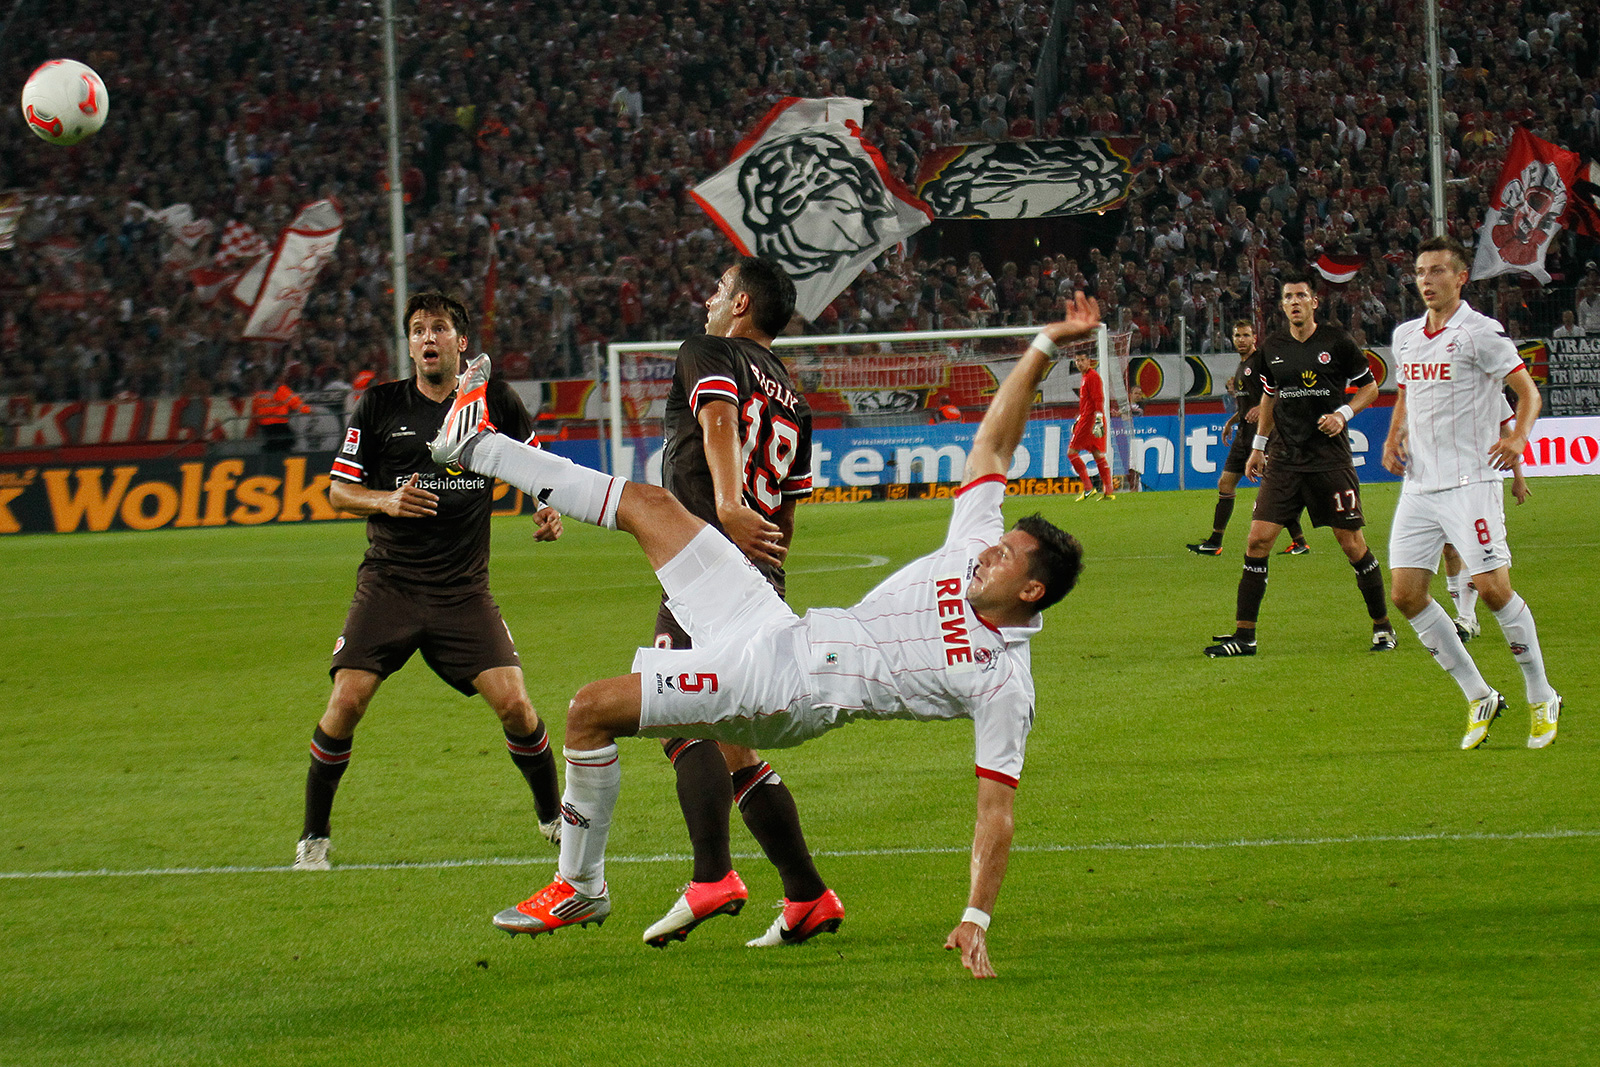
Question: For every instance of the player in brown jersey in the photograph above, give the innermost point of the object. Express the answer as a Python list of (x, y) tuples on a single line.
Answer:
[(1247, 391), (424, 582), (738, 456), (1304, 415)]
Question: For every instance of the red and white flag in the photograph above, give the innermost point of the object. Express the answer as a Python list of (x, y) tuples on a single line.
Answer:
[(1339, 269), (1529, 204), (304, 247), (240, 244), (805, 189)]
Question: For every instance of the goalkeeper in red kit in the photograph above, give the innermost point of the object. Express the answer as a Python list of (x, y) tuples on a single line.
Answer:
[(1089, 432)]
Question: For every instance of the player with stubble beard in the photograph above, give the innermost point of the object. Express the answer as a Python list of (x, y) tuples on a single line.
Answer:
[(424, 582), (1305, 418)]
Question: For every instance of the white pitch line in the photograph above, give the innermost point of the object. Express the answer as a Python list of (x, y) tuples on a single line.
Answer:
[(675, 857)]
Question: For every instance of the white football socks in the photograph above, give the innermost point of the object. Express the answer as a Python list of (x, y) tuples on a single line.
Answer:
[(1516, 622), (594, 778), (1462, 593), (572, 489), (1437, 632)]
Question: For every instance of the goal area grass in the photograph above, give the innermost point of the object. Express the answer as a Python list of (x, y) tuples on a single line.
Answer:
[(1283, 859)]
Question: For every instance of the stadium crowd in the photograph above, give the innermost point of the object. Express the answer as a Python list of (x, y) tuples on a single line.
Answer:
[(564, 137)]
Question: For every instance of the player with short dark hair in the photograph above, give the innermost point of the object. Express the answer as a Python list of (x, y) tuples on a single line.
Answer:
[(1446, 438), (424, 582), (945, 637), (738, 456), (1245, 385), (1304, 417)]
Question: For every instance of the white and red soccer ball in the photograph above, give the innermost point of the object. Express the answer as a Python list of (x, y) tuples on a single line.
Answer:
[(64, 101)]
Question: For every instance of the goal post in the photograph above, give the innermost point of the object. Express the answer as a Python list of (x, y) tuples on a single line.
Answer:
[(874, 379)]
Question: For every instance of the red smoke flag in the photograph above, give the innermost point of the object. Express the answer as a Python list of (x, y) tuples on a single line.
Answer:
[(1529, 204), (1339, 269)]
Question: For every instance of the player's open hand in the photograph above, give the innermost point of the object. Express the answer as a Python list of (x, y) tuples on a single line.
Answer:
[(974, 945), (1395, 457), (1082, 320), (410, 502), (761, 541), (1504, 453), (1256, 465), (546, 524)]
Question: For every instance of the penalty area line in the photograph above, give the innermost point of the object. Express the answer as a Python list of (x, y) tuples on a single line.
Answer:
[(676, 857)]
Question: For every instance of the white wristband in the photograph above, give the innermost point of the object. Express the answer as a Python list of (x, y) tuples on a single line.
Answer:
[(1260, 443), (1044, 344), (1348, 412), (978, 918)]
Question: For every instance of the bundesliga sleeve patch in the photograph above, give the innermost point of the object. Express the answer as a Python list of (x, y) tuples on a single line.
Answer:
[(352, 441)]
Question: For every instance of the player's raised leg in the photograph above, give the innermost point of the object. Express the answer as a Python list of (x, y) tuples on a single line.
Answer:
[(661, 525)]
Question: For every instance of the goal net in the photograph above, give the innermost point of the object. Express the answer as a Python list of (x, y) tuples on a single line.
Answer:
[(877, 380)]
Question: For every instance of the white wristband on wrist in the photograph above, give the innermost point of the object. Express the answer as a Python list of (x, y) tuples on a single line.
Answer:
[(1348, 412), (1260, 443), (1044, 344), (978, 918)]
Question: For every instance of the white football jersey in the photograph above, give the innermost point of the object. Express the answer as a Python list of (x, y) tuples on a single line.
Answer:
[(1453, 382), (914, 649)]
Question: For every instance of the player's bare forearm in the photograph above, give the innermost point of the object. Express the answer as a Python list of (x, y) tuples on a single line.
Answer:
[(1394, 450), (1508, 450), (757, 538), (991, 843), (1001, 429), (991, 853), (406, 501)]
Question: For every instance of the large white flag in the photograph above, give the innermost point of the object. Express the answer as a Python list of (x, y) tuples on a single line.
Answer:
[(305, 245), (1528, 206), (807, 191)]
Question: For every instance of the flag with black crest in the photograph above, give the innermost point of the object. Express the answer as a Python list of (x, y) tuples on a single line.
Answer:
[(807, 191), (1026, 179)]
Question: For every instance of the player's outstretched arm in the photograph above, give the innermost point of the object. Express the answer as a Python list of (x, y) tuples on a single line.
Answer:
[(991, 852), (1001, 429)]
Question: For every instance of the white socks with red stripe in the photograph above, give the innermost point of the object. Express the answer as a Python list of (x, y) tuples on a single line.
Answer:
[(1437, 632), (1516, 622), (1463, 593), (570, 488), (594, 778)]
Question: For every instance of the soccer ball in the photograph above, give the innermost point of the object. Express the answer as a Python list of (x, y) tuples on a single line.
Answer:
[(64, 101)]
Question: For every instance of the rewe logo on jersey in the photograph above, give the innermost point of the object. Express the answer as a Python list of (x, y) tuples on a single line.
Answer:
[(1428, 372), (953, 622)]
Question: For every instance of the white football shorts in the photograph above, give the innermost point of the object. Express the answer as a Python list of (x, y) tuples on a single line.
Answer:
[(1471, 517), (746, 680)]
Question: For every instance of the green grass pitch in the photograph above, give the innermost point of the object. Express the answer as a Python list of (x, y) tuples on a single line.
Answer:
[(1283, 860)]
